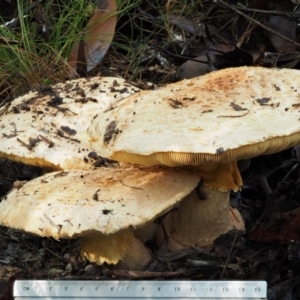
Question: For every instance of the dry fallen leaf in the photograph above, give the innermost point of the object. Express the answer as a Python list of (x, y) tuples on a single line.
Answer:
[(283, 231), (89, 51)]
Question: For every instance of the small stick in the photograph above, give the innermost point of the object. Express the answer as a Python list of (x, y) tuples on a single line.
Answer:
[(256, 22)]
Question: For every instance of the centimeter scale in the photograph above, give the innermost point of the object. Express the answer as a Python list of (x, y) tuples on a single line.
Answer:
[(144, 289)]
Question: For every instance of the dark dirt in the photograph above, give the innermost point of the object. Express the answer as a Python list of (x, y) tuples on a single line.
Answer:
[(270, 198)]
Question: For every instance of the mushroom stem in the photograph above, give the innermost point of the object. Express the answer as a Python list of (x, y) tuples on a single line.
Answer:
[(147, 232), (121, 246), (201, 217)]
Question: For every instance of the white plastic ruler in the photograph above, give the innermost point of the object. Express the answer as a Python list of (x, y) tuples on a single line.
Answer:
[(145, 289)]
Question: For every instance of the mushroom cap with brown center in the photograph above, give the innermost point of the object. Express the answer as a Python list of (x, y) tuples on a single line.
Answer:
[(47, 128), (215, 119)]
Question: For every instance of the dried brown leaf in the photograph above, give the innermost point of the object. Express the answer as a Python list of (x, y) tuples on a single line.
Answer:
[(97, 36), (283, 231)]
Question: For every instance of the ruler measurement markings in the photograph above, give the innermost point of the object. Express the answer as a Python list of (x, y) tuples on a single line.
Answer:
[(141, 289)]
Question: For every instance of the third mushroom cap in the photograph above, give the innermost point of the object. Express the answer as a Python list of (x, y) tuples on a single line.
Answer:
[(102, 206)]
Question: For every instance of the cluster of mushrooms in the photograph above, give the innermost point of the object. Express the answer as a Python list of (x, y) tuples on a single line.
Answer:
[(177, 146)]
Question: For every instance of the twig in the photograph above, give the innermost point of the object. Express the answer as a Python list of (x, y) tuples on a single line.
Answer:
[(291, 15), (53, 253), (229, 254), (256, 22), (133, 187), (128, 274), (234, 116)]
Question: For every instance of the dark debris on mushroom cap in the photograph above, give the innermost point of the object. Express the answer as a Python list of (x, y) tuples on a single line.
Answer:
[(48, 128)]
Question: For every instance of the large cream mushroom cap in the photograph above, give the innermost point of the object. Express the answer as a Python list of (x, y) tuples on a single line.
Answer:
[(212, 121), (95, 203), (48, 128), (67, 204)]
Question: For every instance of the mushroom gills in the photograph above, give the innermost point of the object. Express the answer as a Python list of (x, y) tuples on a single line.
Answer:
[(110, 249)]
